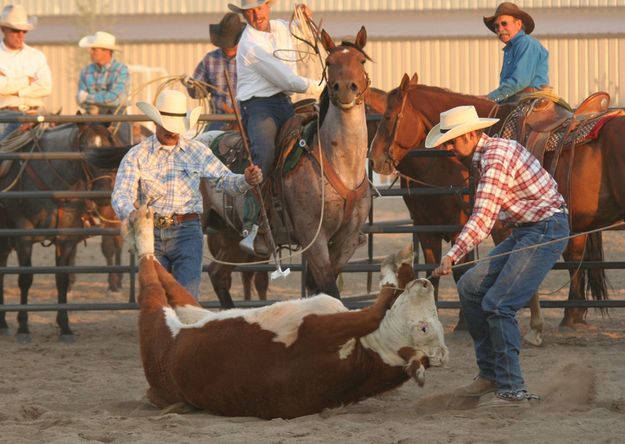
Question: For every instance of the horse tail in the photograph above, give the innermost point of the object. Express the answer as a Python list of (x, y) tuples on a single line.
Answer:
[(107, 159), (597, 282)]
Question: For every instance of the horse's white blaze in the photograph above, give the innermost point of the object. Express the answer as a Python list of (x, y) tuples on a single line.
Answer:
[(97, 141), (283, 318)]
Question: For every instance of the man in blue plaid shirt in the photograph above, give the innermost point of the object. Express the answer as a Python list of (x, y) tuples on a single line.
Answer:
[(103, 85), (164, 172), (225, 35)]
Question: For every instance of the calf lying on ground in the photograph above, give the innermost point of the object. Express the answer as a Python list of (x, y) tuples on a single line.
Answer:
[(289, 359)]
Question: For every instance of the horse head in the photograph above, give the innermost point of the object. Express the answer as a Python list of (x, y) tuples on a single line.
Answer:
[(396, 135), (347, 79)]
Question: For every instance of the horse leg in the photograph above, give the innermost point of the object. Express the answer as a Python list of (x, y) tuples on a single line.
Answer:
[(261, 283), (111, 250), (246, 279), (5, 249), (321, 274), (534, 336), (575, 252), (65, 254), (24, 281)]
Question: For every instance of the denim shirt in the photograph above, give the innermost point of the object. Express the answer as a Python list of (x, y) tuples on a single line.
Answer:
[(525, 64)]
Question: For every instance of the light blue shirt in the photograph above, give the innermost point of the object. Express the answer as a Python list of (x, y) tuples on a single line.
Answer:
[(168, 178), (525, 64)]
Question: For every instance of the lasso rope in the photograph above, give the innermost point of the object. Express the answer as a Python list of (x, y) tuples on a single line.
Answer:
[(488, 258)]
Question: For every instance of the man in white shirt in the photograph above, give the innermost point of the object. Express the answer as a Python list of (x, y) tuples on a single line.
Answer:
[(25, 77), (264, 83)]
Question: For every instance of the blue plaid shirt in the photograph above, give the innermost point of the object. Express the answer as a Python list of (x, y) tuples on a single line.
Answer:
[(211, 70), (107, 85), (169, 178), (525, 64)]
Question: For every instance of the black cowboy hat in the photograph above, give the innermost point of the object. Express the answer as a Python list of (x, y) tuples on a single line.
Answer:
[(227, 32), (509, 8)]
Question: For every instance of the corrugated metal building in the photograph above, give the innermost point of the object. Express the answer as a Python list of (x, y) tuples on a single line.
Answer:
[(444, 41)]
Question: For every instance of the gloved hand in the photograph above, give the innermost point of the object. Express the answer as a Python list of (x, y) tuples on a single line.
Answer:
[(81, 96)]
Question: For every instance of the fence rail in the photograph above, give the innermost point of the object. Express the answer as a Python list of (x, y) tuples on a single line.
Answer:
[(368, 265)]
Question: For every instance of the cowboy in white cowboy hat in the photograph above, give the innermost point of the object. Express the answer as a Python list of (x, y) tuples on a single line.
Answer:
[(525, 62), (265, 83), (103, 85), (225, 36), (514, 188), (164, 172), (25, 78)]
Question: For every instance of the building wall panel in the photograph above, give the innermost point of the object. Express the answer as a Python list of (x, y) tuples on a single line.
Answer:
[(578, 66), (69, 7)]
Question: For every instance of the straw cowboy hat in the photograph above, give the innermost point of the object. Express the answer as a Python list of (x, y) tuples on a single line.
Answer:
[(15, 17), (246, 4), (227, 32), (509, 8), (170, 112), (100, 39), (456, 122)]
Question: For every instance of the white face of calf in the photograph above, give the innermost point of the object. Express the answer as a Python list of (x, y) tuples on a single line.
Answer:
[(138, 231), (412, 325)]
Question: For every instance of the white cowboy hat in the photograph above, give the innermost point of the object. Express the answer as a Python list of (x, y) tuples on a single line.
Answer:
[(100, 39), (456, 122), (246, 4), (15, 17), (170, 112)]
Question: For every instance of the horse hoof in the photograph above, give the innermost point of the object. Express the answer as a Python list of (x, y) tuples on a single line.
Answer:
[(23, 338), (67, 339), (113, 293), (533, 337)]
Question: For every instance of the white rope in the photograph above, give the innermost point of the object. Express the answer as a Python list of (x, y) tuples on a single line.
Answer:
[(584, 233)]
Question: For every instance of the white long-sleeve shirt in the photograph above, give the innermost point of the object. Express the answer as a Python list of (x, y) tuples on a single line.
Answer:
[(17, 66), (259, 72)]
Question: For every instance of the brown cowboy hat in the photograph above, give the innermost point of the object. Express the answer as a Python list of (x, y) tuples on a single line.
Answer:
[(509, 8), (227, 32)]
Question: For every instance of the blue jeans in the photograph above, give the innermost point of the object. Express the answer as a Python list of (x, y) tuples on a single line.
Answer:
[(8, 128), (179, 250), (493, 291), (262, 118)]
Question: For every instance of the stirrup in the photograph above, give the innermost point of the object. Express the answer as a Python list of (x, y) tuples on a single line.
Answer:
[(247, 243)]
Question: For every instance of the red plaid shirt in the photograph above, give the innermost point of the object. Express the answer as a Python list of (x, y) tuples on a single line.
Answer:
[(513, 185)]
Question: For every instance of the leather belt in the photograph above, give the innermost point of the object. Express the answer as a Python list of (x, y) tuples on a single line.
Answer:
[(529, 224), (164, 222)]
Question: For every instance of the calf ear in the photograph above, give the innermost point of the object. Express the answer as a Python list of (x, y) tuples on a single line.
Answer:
[(414, 367)]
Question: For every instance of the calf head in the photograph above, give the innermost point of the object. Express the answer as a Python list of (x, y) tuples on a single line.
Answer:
[(138, 232), (410, 333)]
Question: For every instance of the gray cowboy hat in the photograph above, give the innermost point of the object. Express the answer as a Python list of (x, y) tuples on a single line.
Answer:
[(509, 8), (227, 32), (246, 4)]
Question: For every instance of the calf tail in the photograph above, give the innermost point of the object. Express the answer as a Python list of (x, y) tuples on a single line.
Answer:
[(177, 295), (151, 293)]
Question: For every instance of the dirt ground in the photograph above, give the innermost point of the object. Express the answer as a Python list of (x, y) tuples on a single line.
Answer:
[(94, 389)]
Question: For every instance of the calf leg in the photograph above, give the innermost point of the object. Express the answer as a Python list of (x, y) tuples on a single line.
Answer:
[(177, 295)]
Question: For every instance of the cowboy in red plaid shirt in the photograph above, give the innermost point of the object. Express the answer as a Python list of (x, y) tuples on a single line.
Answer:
[(515, 188)]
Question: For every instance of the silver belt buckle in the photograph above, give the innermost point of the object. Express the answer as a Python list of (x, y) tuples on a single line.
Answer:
[(163, 221)]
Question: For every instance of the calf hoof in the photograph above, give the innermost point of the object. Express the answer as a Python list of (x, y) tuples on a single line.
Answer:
[(23, 338), (180, 408), (67, 339), (533, 337)]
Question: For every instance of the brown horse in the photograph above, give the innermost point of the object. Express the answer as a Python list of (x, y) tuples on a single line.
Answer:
[(412, 109), (326, 195)]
